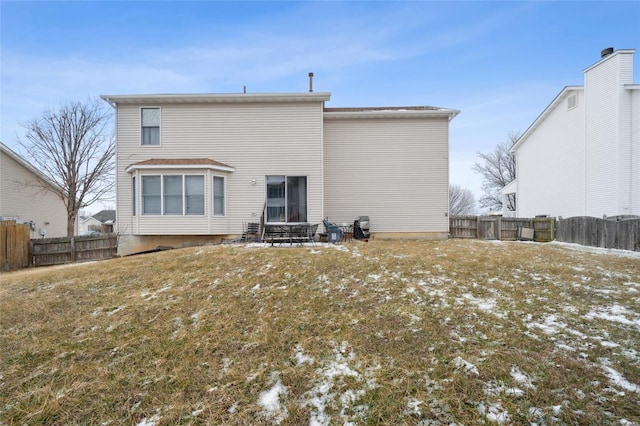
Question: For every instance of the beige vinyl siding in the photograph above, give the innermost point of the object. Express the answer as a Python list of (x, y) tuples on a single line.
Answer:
[(21, 196), (395, 170), (257, 139)]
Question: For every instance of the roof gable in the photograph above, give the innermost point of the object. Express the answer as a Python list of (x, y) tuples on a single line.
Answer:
[(105, 216), (552, 106), (24, 163)]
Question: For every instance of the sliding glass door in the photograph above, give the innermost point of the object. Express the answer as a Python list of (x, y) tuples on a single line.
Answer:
[(286, 199)]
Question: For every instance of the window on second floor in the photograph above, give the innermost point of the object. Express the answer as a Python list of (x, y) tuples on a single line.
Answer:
[(150, 126)]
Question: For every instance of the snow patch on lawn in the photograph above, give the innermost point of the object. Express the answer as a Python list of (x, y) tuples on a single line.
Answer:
[(269, 400), (618, 379), (330, 379), (466, 365), (615, 313)]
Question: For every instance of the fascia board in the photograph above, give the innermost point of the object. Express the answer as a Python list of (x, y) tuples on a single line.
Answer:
[(442, 113), (134, 167), (218, 98)]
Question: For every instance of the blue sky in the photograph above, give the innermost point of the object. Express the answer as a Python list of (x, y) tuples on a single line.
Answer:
[(500, 63)]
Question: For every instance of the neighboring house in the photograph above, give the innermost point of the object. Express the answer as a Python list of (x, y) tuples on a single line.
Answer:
[(26, 195), (88, 224), (103, 222), (581, 156), (195, 168)]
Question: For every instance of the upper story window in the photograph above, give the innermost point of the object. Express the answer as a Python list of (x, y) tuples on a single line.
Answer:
[(150, 126)]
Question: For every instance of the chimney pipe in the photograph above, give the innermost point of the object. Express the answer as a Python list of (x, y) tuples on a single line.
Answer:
[(606, 52), (310, 82)]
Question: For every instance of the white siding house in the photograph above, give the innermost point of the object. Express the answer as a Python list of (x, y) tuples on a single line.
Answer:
[(28, 196), (196, 168), (580, 157)]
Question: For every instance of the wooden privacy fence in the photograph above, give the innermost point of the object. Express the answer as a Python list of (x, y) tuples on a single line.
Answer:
[(500, 228), (54, 251), (621, 234), (14, 245)]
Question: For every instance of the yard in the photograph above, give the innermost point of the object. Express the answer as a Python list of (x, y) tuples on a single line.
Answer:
[(421, 332)]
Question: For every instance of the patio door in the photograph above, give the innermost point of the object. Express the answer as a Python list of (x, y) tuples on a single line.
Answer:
[(286, 199)]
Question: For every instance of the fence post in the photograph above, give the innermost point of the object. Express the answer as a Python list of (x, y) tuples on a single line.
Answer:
[(73, 249), (4, 244), (477, 227)]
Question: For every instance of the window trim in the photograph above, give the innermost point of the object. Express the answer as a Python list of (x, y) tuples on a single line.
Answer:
[(133, 196), (213, 196), (142, 196), (183, 195), (159, 125), (286, 197), (164, 195)]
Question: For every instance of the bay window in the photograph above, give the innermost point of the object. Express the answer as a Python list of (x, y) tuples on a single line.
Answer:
[(218, 196), (194, 195), (172, 195), (151, 195)]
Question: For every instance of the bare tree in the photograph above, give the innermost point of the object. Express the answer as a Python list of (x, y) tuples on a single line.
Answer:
[(497, 168), (461, 201), (72, 146)]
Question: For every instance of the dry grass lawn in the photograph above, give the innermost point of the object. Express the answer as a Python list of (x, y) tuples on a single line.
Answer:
[(420, 333)]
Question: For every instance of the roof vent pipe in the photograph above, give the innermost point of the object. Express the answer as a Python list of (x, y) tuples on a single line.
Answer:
[(310, 82), (606, 52)]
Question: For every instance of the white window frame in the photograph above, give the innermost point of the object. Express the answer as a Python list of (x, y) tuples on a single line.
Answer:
[(164, 195), (204, 195), (134, 192), (286, 198), (159, 126), (213, 195), (183, 198), (142, 196)]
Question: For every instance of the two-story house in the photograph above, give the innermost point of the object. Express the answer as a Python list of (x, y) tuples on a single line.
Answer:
[(581, 156), (194, 168)]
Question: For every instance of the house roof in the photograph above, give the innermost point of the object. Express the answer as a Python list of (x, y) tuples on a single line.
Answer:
[(105, 216), (554, 103), (9, 152), (175, 98), (180, 163), (389, 112)]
